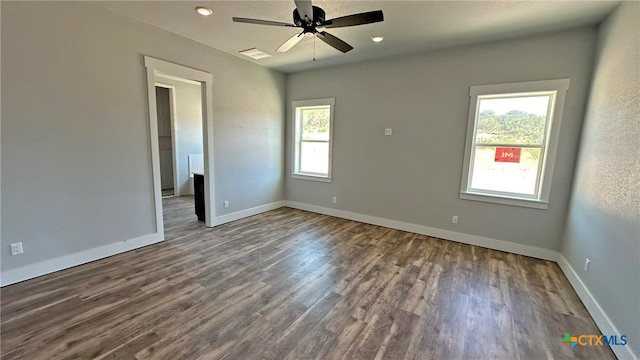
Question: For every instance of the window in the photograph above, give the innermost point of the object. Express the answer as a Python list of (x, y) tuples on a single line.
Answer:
[(313, 127), (511, 142)]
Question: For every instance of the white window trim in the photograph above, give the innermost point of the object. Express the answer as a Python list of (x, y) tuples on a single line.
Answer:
[(546, 176), (294, 166)]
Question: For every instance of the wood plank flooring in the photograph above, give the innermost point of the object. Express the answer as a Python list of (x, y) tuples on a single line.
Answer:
[(290, 284)]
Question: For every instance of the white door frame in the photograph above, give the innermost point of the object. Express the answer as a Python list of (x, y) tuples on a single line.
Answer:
[(156, 66), (174, 140)]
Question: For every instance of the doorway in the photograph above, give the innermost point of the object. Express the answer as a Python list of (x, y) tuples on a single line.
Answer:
[(162, 74), (180, 138), (164, 95)]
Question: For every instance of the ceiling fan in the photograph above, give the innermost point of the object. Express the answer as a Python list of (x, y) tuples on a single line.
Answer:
[(308, 17)]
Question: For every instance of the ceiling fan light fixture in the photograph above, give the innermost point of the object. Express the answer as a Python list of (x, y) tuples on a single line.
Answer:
[(308, 17), (377, 39), (203, 11)]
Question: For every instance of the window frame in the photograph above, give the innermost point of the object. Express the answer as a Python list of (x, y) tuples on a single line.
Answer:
[(297, 135), (548, 148)]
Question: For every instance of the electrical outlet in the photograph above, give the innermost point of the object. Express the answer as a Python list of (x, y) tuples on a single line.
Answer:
[(388, 131), (587, 262), (454, 219), (334, 199), (16, 248), (225, 204)]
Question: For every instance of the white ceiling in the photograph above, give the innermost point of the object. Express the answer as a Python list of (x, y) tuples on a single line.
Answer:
[(409, 26)]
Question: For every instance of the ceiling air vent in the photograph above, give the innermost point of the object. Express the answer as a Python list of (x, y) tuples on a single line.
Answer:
[(255, 53)]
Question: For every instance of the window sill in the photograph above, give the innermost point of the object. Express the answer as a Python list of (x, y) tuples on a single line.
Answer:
[(529, 203), (311, 178)]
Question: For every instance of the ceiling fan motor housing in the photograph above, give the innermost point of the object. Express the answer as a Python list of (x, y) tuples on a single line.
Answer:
[(318, 19)]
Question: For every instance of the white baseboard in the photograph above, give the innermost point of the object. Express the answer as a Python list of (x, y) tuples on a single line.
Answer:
[(593, 307), (64, 262), (223, 219), (599, 316), (501, 245)]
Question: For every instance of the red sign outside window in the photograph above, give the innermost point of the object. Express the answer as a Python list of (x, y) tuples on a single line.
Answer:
[(508, 155)]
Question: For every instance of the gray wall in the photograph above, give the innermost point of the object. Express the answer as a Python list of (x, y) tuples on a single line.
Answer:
[(76, 159), (188, 112), (604, 217), (75, 131), (414, 176)]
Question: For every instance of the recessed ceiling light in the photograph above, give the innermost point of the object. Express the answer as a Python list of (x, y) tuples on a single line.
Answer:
[(377, 38), (255, 53), (203, 11)]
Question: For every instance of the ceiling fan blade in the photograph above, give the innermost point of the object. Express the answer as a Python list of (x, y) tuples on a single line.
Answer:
[(334, 41), (261, 22), (355, 19), (305, 9), (290, 43)]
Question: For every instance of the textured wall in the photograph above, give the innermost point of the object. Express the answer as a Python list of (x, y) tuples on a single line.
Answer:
[(604, 218), (414, 176), (76, 160)]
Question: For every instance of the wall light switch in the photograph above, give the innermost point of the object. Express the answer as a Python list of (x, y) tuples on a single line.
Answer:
[(388, 131)]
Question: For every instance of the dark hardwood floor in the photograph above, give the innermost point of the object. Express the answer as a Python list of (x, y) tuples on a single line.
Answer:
[(290, 284)]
